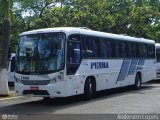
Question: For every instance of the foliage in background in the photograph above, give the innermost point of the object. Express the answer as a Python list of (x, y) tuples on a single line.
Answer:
[(3, 14), (132, 17)]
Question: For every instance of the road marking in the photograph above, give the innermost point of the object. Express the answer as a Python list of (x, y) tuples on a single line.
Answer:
[(10, 98)]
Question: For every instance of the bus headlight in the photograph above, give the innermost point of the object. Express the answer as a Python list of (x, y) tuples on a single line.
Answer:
[(61, 76), (53, 80), (58, 78)]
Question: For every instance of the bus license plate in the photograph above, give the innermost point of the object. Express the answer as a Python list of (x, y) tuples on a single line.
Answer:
[(34, 88)]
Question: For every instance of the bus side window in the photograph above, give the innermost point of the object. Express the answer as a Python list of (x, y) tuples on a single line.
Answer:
[(104, 48), (90, 47), (151, 51), (129, 50), (142, 50), (120, 47), (111, 53), (124, 50), (74, 47), (117, 49), (73, 53), (134, 50)]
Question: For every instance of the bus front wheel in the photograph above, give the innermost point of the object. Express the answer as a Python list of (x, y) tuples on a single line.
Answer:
[(89, 89), (46, 98)]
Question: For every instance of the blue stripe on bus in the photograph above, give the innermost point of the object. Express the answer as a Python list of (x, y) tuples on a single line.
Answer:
[(133, 66), (124, 70), (129, 67)]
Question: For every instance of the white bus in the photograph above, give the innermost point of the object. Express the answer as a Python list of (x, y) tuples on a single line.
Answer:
[(11, 67), (61, 62), (158, 60)]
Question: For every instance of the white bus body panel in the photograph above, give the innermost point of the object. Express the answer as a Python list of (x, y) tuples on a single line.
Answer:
[(158, 62), (113, 76), (108, 73), (10, 74), (106, 78), (58, 89), (158, 70)]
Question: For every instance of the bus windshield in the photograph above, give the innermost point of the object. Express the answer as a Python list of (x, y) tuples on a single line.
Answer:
[(40, 53)]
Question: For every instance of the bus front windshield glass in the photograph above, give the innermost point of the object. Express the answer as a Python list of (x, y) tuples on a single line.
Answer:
[(40, 53)]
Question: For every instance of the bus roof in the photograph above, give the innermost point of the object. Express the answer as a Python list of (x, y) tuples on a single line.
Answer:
[(157, 45), (70, 30)]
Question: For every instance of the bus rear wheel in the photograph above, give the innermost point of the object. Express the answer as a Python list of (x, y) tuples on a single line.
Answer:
[(138, 82), (89, 89)]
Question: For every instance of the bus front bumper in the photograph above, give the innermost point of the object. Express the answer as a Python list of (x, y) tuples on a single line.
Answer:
[(50, 90)]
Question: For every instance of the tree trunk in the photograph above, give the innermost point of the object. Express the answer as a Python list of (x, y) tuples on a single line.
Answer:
[(4, 90)]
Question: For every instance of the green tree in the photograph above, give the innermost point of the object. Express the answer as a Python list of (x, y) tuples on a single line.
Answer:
[(78, 13), (143, 16), (132, 17), (25, 13), (1, 21), (28, 11), (4, 90)]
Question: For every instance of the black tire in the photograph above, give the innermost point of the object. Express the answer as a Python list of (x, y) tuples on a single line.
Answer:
[(138, 82), (89, 89), (46, 98)]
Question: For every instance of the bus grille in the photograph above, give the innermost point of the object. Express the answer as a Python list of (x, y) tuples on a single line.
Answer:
[(35, 82), (35, 92)]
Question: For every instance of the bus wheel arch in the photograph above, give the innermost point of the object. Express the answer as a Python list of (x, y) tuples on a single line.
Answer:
[(46, 98), (138, 80), (90, 87)]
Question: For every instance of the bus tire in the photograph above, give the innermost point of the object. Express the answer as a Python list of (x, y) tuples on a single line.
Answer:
[(46, 98), (138, 82), (89, 89)]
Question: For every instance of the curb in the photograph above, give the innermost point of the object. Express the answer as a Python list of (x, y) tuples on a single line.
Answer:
[(11, 95), (9, 98)]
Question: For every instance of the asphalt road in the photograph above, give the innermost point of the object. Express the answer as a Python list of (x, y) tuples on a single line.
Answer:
[(107, 105)]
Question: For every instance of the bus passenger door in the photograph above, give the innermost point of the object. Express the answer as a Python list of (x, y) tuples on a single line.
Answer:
[(73, 54), (73, 61)]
